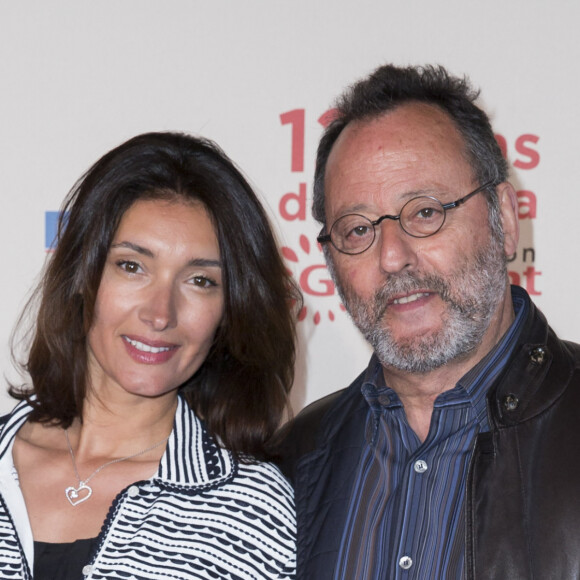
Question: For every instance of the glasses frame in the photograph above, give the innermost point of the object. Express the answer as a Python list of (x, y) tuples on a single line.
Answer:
[(325, 238)]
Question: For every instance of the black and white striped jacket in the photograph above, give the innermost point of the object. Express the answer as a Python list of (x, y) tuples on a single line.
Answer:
[(203, 515)]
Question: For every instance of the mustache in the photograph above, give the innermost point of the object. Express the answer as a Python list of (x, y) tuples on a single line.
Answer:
[(407, 283)]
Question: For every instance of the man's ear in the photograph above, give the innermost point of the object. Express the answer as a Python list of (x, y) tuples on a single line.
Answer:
[(508, 205)]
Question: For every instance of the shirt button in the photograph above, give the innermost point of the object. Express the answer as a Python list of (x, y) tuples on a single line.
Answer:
[(420, 466), (405, 562), (133, 491), (87, 569), (384, 400)]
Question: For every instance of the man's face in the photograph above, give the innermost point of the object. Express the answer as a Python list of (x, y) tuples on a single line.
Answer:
[(420, 302)]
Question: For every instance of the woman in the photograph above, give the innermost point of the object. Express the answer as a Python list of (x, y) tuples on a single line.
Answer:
[(160, 364)]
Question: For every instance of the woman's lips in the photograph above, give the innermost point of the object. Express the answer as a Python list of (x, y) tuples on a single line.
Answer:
[(149, 352)]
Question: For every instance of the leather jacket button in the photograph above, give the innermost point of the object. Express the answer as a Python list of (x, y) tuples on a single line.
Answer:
[(538, 355), (510, 402)]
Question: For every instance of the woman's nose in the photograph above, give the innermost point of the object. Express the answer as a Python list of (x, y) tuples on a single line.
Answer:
[(159, 307)]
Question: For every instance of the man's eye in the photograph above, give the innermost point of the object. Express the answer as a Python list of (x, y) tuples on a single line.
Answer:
[(356, 230), (426, 213), (360, 231)]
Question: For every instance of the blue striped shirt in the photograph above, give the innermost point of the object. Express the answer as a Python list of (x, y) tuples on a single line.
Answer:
[(406, 512)]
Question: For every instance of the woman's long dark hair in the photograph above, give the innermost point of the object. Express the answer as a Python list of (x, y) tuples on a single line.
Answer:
[(241, 389)]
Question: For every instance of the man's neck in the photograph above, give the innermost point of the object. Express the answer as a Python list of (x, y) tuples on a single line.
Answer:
[(418, 391)]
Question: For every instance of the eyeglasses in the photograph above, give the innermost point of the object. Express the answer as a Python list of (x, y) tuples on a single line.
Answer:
[(420, 217)]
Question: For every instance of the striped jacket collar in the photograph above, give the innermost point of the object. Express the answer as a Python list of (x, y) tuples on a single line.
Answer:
[(192, 457)]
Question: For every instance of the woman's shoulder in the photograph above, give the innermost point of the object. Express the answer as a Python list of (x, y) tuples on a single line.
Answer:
[(12, 422), (266, 480), (263, 470), (260, 489)]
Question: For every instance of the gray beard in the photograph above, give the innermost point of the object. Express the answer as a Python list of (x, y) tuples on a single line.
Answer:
[(471, 293)]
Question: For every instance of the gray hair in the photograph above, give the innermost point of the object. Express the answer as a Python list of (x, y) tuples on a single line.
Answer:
[(387, 88)]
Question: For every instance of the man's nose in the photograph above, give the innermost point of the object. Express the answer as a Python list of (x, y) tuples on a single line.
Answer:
[(396, 248)]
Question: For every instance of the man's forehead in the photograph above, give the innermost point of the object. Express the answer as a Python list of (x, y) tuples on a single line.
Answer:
[(413, 149), (400, 126)]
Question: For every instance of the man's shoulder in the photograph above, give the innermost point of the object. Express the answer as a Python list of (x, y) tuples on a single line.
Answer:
[(328, 411), (303, 433), (573, 349), (311, 416)]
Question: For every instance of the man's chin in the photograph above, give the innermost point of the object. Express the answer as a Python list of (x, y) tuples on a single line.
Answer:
[(422, 353), (413, 336), (411, 353), (410, 335)]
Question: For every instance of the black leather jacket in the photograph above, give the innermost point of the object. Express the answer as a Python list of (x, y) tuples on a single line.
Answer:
[(523, 488)]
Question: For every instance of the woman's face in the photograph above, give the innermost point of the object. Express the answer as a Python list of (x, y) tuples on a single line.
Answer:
[(159, 303)]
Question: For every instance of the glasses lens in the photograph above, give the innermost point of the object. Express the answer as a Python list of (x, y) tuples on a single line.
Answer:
[(422, 216), (352, 234)]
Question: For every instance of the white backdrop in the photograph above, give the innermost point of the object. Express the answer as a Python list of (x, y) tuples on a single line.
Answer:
[(80, 77)]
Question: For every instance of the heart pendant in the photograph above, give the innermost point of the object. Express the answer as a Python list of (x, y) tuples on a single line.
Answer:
[(78, 494)]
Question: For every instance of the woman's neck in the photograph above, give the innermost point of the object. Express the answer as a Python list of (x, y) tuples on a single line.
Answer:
[(121, 427)]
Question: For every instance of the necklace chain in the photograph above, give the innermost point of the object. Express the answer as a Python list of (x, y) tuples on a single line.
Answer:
[(72, 493)]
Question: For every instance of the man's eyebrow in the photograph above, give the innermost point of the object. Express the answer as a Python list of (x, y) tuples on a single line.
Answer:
[(200, 262), (402, 199)]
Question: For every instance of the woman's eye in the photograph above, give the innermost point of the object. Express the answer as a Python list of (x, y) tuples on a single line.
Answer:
[(202, 282), (129, 267)]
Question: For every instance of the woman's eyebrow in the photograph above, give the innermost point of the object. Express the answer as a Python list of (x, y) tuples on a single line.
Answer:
[(199, 262), (135, 247), (205, 262)]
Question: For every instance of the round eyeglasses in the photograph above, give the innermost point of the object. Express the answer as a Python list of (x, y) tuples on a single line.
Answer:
[(420, 217)]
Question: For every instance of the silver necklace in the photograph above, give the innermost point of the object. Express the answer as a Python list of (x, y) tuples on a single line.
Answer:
[(77, 495)]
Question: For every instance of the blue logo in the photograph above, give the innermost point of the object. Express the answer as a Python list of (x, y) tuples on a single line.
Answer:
[(50, 229)]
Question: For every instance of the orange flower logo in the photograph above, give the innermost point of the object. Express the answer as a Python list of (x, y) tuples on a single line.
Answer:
[(314, 280)]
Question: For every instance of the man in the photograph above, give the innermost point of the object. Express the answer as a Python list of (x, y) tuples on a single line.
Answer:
[(456, 453)]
